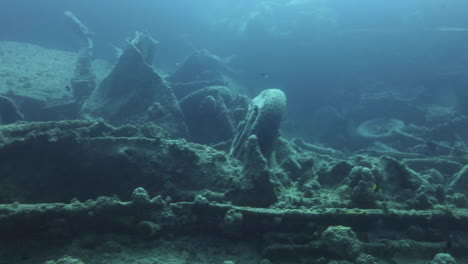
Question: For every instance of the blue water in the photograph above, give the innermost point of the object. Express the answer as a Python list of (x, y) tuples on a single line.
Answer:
[(323, 54)]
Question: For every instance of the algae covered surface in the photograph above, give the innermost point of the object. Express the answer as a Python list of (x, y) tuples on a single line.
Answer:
[(256, 142)]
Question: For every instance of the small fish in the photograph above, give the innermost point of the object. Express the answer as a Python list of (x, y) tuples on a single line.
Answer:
[(67, 88), (375, 188)]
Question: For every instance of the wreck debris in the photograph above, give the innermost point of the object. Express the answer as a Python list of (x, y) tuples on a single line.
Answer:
[(334, 230), (459, 181), (146, 45), (37, 80), (79, 29), (9, 112), (201, 69), (65, 260), (262, 121), (341, 241), (207, 114), (134, 93), (254, 145), (314, 200), (83, 81), (83, 159), (443, 258)]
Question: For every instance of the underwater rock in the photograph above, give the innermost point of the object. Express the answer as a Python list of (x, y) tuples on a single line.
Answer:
[(9, 112), (341, 241), (396, 175), (262, 120), (407, 185), (207, 115), (292, 167), (140, 197), (335, 174), (134, 93), (232, 223), (427, 197), (201, 69), (443, 258), (65, 260), (297, 164), (388, 181), (366, 259), (364, 186), (257, 187)]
